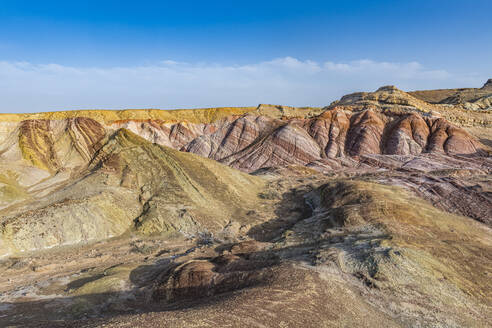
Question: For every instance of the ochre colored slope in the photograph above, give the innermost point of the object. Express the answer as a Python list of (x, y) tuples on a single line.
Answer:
[(132, 184), (199, 115)]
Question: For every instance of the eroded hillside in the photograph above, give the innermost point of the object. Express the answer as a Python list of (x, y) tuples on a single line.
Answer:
[(373, 211)]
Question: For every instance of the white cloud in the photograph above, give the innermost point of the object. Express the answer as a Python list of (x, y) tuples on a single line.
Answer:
[(26, 87)]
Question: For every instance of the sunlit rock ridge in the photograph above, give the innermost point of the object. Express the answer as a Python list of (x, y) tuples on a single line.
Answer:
[(374, 211)]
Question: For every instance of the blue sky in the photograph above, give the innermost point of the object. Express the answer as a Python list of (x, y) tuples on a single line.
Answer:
[(58, 55)]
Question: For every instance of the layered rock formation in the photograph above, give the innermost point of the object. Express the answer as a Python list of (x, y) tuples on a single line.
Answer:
[(373, 211), (387, 121), (45, 157), (130, 184)]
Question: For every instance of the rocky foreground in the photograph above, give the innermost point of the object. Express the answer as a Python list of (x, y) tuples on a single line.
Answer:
[(373, 211)]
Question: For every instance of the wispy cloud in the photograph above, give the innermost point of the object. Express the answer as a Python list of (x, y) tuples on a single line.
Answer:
[(27, 87)]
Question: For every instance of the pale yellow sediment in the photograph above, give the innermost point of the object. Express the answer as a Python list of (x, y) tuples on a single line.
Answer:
[(199, 115)]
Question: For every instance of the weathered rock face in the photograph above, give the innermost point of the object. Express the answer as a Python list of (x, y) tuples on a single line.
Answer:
[(233, 137), (388, 121), (174, 135), (409, 136), (46, 161), (365, 134), (131, 184), (225, 273), (37, 144), (451, 139), (482, 103), (288, 144), (53, 145), (329, 130), (250, 143), (456, 184), (375, 210), (86, 136)]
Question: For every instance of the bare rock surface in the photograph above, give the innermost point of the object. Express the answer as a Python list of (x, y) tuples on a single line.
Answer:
[(375, 211), (363, 244)]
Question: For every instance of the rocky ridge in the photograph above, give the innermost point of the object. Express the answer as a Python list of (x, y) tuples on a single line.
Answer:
[(388, 121), (45, 156), (373, 211)]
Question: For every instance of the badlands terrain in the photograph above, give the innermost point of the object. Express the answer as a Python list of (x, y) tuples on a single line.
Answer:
[(374, 211)]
